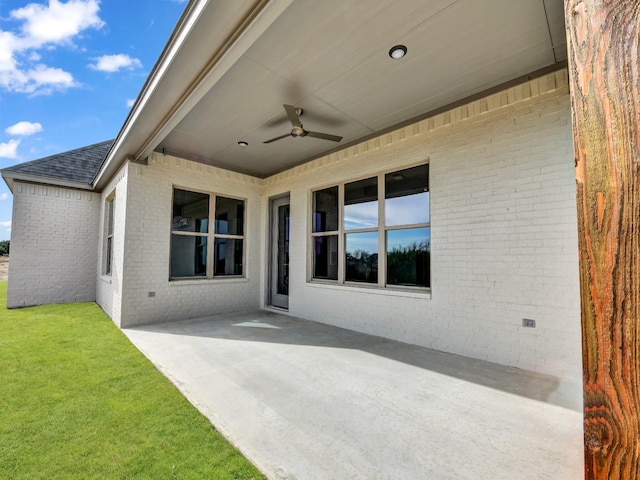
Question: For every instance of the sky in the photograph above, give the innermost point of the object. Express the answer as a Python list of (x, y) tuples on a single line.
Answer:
[(70, 71)]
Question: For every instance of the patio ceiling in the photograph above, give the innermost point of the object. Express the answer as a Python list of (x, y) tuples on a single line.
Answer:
[(330, 58)]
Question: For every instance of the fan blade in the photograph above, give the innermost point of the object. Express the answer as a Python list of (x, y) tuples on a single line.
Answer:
[(278, 138), (324, 136), (292, 115)]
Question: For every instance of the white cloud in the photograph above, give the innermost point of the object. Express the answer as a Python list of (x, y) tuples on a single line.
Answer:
[(4, 196), (56, 23), (130, 102), (24, 128), (9, 149), (6, 225), (43, 26), (43, 79), (8, 45), (113, 63), (39, 80)]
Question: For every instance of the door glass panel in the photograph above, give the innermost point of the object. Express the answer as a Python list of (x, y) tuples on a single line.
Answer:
[(282, 284), (409, 257), (361, 204), (362, 257), (325, 257)]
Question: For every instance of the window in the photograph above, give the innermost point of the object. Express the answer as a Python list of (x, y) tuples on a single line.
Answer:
[(108, 254), (201, 221), (374, 231), (325, 233)]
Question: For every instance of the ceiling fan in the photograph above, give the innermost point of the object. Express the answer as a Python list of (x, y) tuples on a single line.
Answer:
[(297, 130)]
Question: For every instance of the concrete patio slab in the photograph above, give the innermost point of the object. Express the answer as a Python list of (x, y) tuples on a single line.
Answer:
[(304, 400)]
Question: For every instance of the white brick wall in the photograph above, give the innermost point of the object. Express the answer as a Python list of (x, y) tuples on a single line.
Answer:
[(147, 241), (109, 287), (54, 239), (504, 235)]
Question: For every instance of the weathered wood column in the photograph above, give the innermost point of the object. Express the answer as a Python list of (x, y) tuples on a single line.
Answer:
[(604, 70)]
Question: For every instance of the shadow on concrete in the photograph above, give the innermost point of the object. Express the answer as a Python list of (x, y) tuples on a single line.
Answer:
[(265, 326)]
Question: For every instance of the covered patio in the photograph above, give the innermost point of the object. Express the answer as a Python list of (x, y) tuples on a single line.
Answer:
[(523, 119), (310, 401)]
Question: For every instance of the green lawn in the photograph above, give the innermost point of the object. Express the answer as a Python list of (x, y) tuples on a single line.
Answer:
[(77, 400)]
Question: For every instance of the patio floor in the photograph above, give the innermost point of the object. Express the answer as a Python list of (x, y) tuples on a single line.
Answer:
[(307, 401)]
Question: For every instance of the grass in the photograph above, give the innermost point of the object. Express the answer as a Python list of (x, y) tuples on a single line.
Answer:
[(77, 400)]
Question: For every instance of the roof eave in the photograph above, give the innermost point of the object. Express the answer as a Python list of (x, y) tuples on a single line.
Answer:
[(9, 182), (132, 140), (183, 26), (9, 178)]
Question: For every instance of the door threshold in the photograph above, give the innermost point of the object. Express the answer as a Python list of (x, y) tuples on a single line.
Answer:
[(276, 308)]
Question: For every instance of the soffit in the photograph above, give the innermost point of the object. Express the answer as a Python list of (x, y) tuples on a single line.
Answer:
[(330, 58)]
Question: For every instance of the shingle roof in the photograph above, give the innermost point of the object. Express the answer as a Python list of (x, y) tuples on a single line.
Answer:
[(79, 165)]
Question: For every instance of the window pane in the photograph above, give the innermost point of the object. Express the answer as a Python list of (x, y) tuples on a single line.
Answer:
[(107, 268), (110, 218), (407, 196), (361, 204), (229, 216), (188, 256), (190, 211), (228, 256), (407, 210), (409, 257), (325, 257), (362, 257), (407, 181), (325, 210)]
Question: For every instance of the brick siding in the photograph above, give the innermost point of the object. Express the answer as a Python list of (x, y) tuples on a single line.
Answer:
[(503, 236), (54, 241), (503, 226)]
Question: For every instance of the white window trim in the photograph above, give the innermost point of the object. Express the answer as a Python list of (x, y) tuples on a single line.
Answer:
[(341, 233), (210, 236)]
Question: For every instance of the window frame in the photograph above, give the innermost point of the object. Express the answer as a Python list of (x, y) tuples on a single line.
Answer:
[(325, 233), (381, 228), (211, 235), (109, 228)]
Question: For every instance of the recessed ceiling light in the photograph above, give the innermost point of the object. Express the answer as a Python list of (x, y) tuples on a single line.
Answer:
[(243, 144), (397, 52)]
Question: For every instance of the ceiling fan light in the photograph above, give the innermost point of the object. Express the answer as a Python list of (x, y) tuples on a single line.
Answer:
[(243, 144), (398, 52)]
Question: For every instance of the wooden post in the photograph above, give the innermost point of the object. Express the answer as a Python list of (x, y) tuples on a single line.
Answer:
[(604, 70)]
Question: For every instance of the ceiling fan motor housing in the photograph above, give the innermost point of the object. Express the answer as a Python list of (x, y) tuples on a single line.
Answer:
[(297, 130)]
